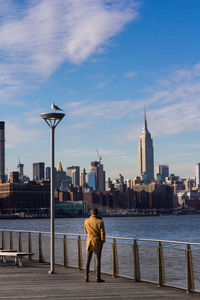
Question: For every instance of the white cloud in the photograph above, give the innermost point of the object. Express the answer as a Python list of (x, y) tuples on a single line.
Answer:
[(173, 107), (102, 84), (37, 36), (130, 74), (18, 135), (106, 110)]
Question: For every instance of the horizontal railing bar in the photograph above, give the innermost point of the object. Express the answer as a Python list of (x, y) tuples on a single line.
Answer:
[(107, 237), (24, 231)]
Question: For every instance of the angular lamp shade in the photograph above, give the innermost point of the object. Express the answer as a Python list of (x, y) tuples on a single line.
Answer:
[(52, 119)]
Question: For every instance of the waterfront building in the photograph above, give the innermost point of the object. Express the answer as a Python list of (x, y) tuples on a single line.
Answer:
[(187, 195), (16, 196), (197, 174), (154, 196), (163, 170), (74, 173), (2, 151), (145, 153), (71, 209), (38, 171), (97, 169)]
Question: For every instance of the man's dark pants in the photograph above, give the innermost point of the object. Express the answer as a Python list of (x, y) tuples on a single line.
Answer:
[(98, 263)]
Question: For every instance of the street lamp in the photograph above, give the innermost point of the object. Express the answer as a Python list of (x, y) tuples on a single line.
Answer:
[(52, 119)]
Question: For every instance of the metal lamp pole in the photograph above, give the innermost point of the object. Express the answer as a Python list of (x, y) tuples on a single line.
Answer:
[(52, 119)]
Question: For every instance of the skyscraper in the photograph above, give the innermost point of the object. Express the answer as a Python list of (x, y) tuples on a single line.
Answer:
[(163, 170), (145, 153), (83, 177), (20, 169), (91, 180), (74, 173), (48, 173), (2, 151), (38, 171), (97, 168), (197, 174)]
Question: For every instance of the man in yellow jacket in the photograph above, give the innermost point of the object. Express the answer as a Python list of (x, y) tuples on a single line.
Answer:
[(94, 227)]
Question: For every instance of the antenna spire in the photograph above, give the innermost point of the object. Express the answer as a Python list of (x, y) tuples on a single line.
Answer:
[(145, 128)]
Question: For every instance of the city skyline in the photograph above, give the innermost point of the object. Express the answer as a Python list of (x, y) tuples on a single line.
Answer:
[(102, 65)]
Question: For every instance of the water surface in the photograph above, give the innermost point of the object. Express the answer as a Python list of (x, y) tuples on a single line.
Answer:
[(184, 228)]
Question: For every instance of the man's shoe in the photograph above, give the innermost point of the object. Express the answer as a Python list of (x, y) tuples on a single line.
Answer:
[(86, 279), (100, 280)]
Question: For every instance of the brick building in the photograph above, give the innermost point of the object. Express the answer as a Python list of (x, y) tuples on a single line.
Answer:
[(16, 196)]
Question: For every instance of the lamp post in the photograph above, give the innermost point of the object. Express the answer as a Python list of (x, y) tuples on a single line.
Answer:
[(52, 119)]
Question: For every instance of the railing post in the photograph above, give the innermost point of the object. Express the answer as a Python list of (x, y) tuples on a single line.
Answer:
[(136, 261), (80, 261), (189, 269), (20, 241), (161, 276), (115, 258), (11, 241), (65, 256), (2, 240), (29, 245), (40, 247)]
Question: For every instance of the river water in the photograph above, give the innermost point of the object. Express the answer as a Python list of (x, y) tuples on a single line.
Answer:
[(185, 228)]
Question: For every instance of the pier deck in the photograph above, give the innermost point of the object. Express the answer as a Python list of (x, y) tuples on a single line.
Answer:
[(33, 282)]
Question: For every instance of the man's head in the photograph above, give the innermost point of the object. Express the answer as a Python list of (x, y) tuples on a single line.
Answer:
[(94, 212)]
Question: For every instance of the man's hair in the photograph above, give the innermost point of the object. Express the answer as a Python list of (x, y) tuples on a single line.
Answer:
[(94, 211)]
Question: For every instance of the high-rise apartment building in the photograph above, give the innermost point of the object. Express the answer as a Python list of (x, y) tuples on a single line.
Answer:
[(74, 173), (163, 170), (38, 171), (145, 153), (97, 169), (197, 174)]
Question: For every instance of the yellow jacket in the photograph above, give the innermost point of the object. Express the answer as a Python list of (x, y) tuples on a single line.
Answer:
[(94, 227)]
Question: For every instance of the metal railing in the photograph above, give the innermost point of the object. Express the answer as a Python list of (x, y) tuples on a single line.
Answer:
[(168, 263)]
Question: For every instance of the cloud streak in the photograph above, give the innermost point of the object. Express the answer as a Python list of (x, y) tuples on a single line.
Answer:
[(36, 37), (16, 135), (173, 107)]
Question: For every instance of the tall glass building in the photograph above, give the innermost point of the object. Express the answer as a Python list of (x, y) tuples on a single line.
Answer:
[(91, 180)]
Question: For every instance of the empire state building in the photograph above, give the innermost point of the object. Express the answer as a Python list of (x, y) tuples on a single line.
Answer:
[(145, 152)]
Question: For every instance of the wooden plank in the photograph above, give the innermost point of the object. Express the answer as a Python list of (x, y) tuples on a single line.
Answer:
[(34, 282)]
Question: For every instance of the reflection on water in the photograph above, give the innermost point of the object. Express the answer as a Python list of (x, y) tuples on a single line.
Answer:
[(174, 228)]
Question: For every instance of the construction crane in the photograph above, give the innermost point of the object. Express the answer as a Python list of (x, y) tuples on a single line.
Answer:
[(99, 156), (18, 159)]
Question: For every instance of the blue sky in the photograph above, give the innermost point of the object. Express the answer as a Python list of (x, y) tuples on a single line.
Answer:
[(102, 62)]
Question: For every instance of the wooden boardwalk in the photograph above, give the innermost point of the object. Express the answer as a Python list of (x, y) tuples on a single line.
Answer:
[(33, 282)]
